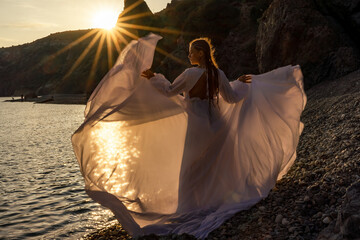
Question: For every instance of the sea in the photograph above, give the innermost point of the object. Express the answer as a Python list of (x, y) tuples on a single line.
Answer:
[(41, 188)]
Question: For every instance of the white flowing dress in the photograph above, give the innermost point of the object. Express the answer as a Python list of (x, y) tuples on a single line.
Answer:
[(159, 162)]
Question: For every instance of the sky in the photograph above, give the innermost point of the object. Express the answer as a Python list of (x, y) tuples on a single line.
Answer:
[(23, 21)]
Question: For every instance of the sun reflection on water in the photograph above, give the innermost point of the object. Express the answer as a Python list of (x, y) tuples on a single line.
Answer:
[(115, 153)]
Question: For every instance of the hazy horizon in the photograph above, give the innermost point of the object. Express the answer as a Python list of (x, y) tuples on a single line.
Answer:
[(25, 21)]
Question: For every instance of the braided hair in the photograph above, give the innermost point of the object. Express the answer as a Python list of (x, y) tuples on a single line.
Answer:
[(205, 45)]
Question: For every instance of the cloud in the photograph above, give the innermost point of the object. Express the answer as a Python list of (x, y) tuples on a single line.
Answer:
[(29, 25)]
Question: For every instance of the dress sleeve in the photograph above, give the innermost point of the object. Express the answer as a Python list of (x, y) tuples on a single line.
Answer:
[(231, 92), (164, 86)]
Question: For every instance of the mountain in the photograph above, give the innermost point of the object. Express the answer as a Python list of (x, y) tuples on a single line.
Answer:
[(250, 36), (42, 66)]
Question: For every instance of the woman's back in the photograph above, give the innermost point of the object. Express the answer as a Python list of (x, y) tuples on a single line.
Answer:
[(200, 88)]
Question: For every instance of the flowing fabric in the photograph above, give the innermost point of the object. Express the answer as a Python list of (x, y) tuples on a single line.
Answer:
[(163, 165)]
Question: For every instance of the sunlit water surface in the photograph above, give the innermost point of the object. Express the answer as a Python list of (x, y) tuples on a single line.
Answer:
[(41, 188)]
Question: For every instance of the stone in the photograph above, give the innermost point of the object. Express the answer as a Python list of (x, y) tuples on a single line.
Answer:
[(284, 221), (351, 227), (278, 218), (348, 219), (292, 229), (326, 220)]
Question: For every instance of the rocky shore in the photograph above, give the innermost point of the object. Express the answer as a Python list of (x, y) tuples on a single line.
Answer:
[(319, 198)]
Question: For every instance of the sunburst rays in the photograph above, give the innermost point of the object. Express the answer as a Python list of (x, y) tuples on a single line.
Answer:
[(114, 39)]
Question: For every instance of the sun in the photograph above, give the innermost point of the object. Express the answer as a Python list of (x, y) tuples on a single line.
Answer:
[(105, 18), (113, 30)]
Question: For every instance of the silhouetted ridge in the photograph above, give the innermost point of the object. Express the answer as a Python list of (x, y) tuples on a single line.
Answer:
[(250, 36)]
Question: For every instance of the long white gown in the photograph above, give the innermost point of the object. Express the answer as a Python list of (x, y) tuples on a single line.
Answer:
[(162, 166)]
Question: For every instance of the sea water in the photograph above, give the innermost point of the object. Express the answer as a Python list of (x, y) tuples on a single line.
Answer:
[(41, 188)]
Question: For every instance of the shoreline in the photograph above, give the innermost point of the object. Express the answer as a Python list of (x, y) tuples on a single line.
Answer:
[(54, 99)]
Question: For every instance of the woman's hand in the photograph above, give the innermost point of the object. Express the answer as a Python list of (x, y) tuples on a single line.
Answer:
[(147, 74), (245, 78)]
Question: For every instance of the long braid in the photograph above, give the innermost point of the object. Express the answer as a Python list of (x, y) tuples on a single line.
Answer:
[(204, 44), (210, 85)]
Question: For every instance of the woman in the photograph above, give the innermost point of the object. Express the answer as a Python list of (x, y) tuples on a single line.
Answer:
[(166, 163), (201, 86)]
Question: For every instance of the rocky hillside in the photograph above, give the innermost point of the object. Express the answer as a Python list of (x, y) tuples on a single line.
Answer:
[(43, 65), (250, 36)]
